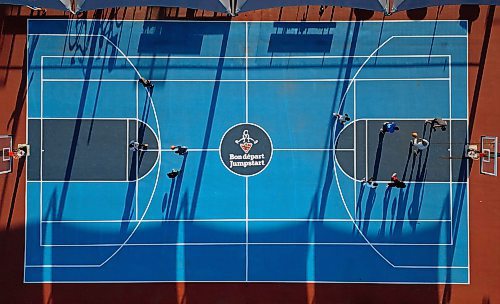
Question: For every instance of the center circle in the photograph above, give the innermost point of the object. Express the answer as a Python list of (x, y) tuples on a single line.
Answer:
[(246, 149)]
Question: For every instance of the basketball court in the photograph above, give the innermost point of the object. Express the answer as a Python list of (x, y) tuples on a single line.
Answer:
[(271, 188)]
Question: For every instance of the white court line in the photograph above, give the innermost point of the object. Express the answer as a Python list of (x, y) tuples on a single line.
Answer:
[(418, 118), (430, 36), (246, 177), (247, 244), (249, 57), (189, 150), (468, 160), (246, 228), (274, 22), (246, 79), (251, 281), (450, 163), (26, 159), (243, 80), (366, 149), (310, 149), (136, 169), (354, 152), (256, 220), (433, 36), (41, 152), (123, 181), (126, 157)]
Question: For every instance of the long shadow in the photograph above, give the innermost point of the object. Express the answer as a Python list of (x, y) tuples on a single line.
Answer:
[(370, 202), (20, 167), (128, 209), (399, 204), (402, 202), (482, 62), (419, 187), (408, 158), (378, 155), (359, 203), (167, 199), (210, 121), (173, 200), (385, 208), (328, 181)]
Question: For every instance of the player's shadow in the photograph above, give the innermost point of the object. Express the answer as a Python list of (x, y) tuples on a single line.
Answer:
[(399, 212), (370, 202), (378, 155), (420, 178), (128, 210), (385, 208), (170, 203), (359, 203)]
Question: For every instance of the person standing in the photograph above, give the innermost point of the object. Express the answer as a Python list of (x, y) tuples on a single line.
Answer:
[(390, 127), (173, 174), (342, 118), (419, 143)]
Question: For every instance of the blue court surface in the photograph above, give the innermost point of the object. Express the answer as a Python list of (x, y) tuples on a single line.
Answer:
[(271, 187)]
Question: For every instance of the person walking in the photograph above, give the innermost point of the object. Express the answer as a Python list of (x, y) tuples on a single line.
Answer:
[(146, 83), (370, 182), (181, 150), (437, 123), (390, 127), (342, 118), (396, 182), (137, 146), (173, 173), (419, 143)]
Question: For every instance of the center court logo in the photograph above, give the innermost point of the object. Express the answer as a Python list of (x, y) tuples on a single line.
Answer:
[(246, 149)]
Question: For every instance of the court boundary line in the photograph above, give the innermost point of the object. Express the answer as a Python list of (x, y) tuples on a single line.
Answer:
[(242, 21), (243, 57), (355, 139), (468, 160), (367, 244), (247, 244), (243, 80), (244, 219)]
